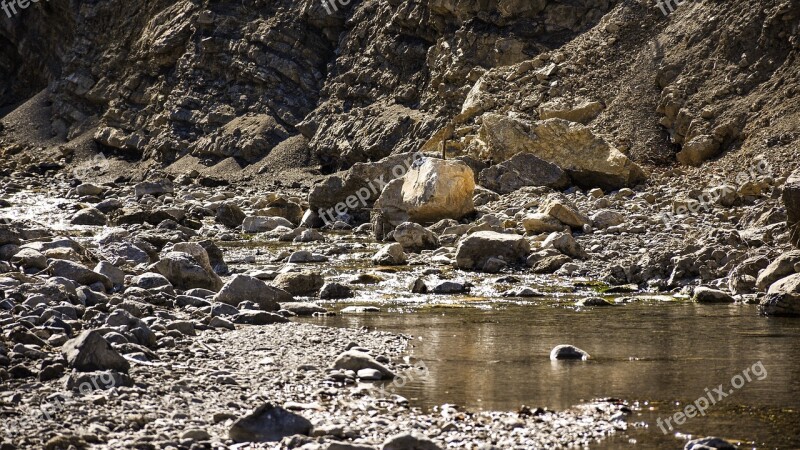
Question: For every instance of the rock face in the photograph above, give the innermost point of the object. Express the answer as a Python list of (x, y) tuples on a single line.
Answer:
[(590, 160), (432, 190), (523, 169), (90, 352), (243, 288), (791, 198), (268, 423), (474, 251)]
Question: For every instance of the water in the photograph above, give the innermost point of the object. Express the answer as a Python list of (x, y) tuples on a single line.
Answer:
[(657, 355)]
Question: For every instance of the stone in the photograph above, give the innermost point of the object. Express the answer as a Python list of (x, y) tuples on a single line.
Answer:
[(89, 189), (390, 255), (304, 309), (449, 287), (87, 382), (268, 423), (305, 283), (152, 281), (331, 291), (589, 160), (30, 259), (579, 110), (523, 169), (90, 352), (259, 224), (791, 200), (593, 301), (566, 244), (780, 305), (244, 287), (255, 317), (89, 216), (709, 443), (154, 188), (230, 215), (409, 441), (788, 285), (780, 268), (705, 294), (606, 218), (115, 274), (305, 256), (475, 250), (355, 360), (698, 150), (77, 272), (742, 279), (433, 189), (564, 351), (414, 237), (185, 272), (541, 223), (559, 207)]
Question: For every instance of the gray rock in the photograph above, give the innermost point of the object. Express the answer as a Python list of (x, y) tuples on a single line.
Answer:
[(154, 188), (268, 423), (90, 352), (476, 249), (259, 224), (788, 285), (559, 207), (244, 287), (409, 441), (355, 360), (305, 283), (116, 275), (523, 169), (780, 305), (705, 294), (30, 259), (449, 287), (230, 215), (566, 244), (89, 216), (305, 256), (87, 382), (335, 291), (185, 272), (593, 301), (568, 352), (414, 237), (77, 272), (255, 317), (303, 308), (709, 443), (89, 189), (152, 281), (390, 255), (778, 269)]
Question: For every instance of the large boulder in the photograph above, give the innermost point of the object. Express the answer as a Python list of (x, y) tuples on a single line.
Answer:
[(523, 169), (303, 283), (784, 304), (433, 189), (780, 268), (355, 190), (90, 352), (589, 159), (244, 287), (791, 198), (477, 249)]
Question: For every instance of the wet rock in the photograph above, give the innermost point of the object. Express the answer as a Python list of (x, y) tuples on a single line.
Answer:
[(255, 317), (559, 207), (523, 169), (432, 190), (330, 291), (791, 199), (185, 272), (305, 283), (593, 301), (268, 423), (90, 352), (89, 216), (568, 352), (449, 287), (414, 237), (418, 286), (230, 215), (780, 305), (778, 269), (258, 224), (475, 250), (244, 287), (409, 441), (709, 443), (304, 309), (355, 360), (705, 294), (390, 255), (360, 309), (542, 223)]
